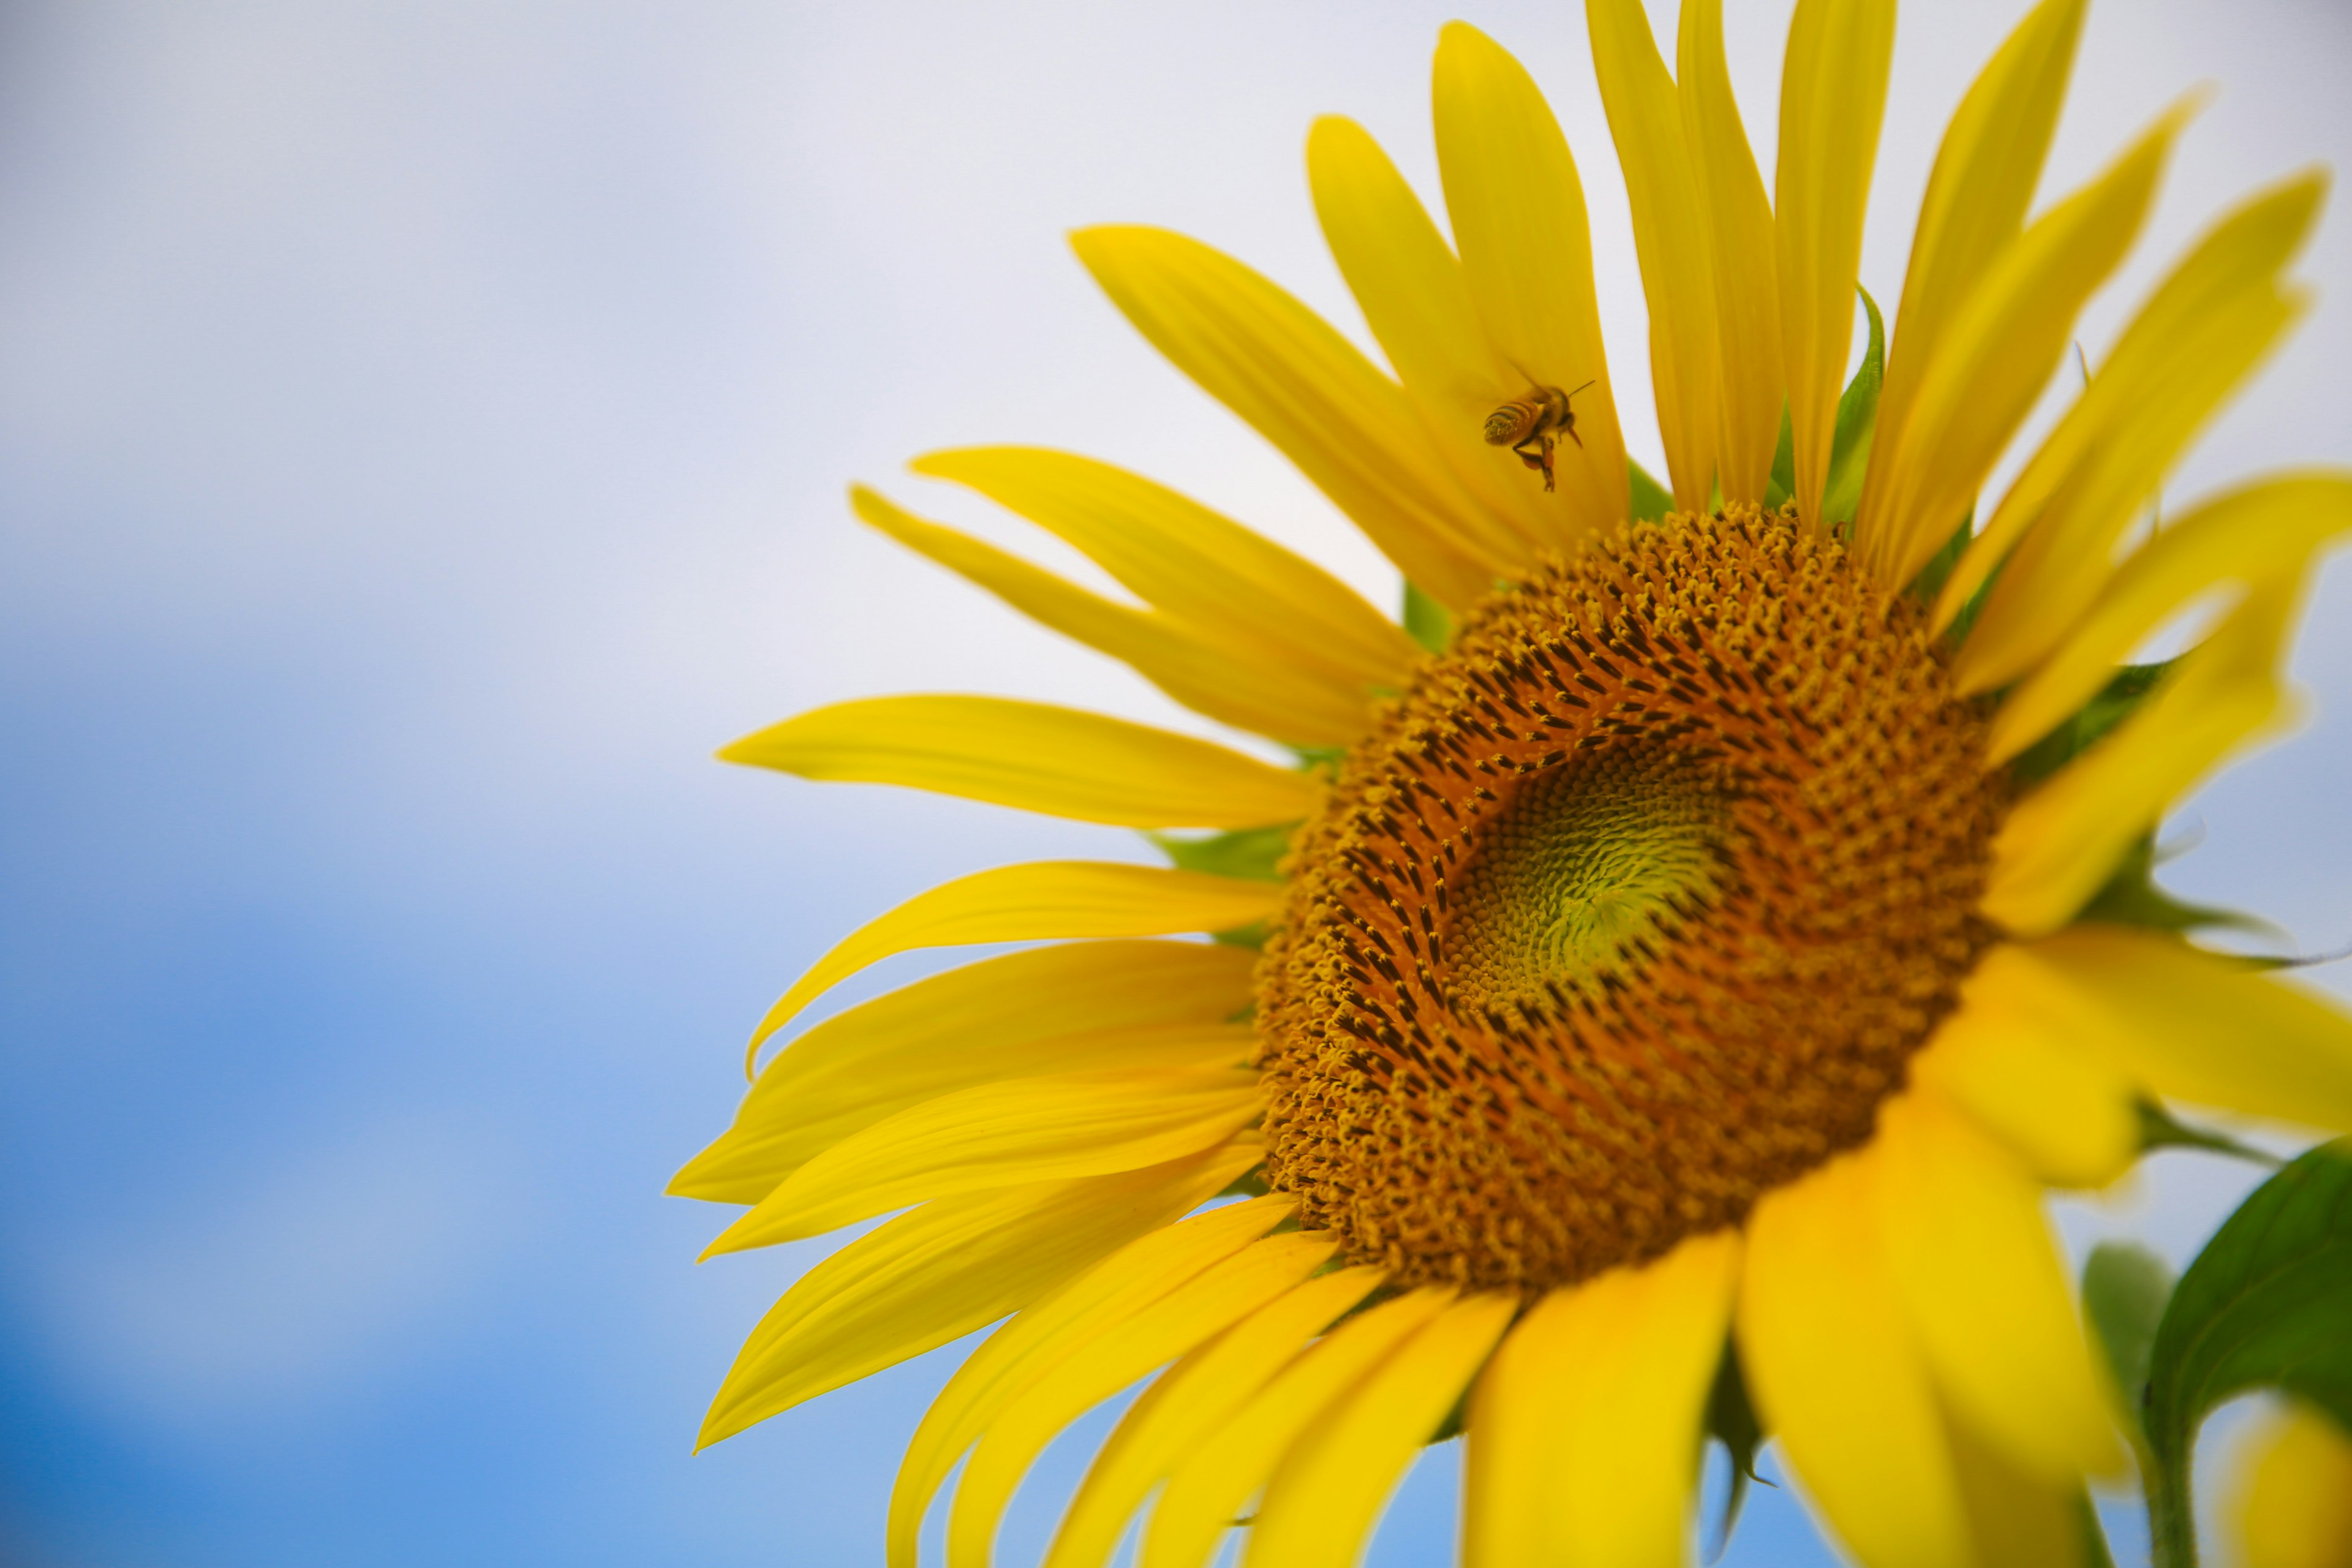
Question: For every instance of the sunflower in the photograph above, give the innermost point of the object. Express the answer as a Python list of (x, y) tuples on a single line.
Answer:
[(1693, 939)]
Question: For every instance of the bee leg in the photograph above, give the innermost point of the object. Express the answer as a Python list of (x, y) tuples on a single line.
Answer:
[(1526, 454), (1569, 430), (1546, 464)]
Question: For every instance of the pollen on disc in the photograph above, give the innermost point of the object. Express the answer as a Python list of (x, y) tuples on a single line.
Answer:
[(1634, 906)]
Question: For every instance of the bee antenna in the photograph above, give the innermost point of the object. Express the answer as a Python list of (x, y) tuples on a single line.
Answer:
[(1582, 388)]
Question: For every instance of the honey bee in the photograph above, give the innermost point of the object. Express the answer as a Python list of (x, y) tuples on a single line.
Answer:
[(1532, 424)]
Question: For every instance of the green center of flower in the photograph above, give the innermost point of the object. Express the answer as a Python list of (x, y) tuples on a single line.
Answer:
[(1580, 870)]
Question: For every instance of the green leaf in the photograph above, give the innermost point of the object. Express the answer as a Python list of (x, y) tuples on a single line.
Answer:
[(1253, 854), (2268, 1304), (1731, 1421), (2124, 1288), (1783, 482), (2116, 702), (1426, 621), (1857, 422), (2159, 1129), (1652, 500)]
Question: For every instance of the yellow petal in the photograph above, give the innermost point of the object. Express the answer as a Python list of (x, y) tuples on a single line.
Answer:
[(1201, 568), (1305, 388), (2257, 531), (2068, 1114), (1095, 1303), (937, 1274), (2003, 342), (1000, 1134), (1832, 97), (2293, 1509), (1187, 1405), (1035, 756), (1326, 1494), (1517, 206), (1585, 1432), (1078, 1007), (1739, 218), (1416, 298), (2187, 1024), (2060, 843), (1189, 665), (1973, 1259), (2016, 1517), (1044, 900), (2200, 333), (1824, 1341), (1977, 198), (1670, 238), (1219, 1297), (1207, 1491)]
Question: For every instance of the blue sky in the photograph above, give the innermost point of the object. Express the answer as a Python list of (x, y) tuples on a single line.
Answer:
[(422, 431)]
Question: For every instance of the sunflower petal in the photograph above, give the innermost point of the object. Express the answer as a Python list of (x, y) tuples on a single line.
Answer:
[(1303, 387), (1185, 1408), (1046, 899), (1416, 299), (1998, 352), (1095, 1303), (2187, 1024), (937, 1274), (1670, 238), (2200, 333), (1003, 1134), (2063, 842), (2069, 1115), (1832, 97), (2259, 531), (1824, 1341), (1519, 221), (1584, 1438), (1034, 757), (1208, 1489), (1739, 218), (1971, 1255), (1204, 569), (1978, 194), (1189, 665), (1077, 1007), (1324, 1497), (1222, 1296)]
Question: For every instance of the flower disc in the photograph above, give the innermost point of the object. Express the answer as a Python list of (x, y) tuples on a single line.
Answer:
[(1633, 907)]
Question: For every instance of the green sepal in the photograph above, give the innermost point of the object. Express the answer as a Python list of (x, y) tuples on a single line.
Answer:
[(2096, 1553), (1857, 422), (1651, 501), (2116, 701), (1731, 1421), (1252, 853), (2159, 1129), (1426, 621), (2131, 898), (2265, 1305), (1782, 484), (2124, 1288), (1938, 570), (1250, 1183)]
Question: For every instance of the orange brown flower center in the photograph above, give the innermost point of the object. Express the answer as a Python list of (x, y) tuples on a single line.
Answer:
[(1633, 907)]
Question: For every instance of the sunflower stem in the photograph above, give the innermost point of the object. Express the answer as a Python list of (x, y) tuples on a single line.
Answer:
[(2171, 1513)]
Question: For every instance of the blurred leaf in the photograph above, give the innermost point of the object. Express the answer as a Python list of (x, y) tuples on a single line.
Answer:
[(2124, 1288), (2268, 1304), (2096, 1553), (1857, 422), (1250, 853), (1426, 621), (1652, 500), (1731, 1421)]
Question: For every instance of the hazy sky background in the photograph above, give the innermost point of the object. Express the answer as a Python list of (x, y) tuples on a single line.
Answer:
[(422, 431)]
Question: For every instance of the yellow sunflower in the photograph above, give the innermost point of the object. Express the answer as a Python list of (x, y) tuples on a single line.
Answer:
[(1693, 941)]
